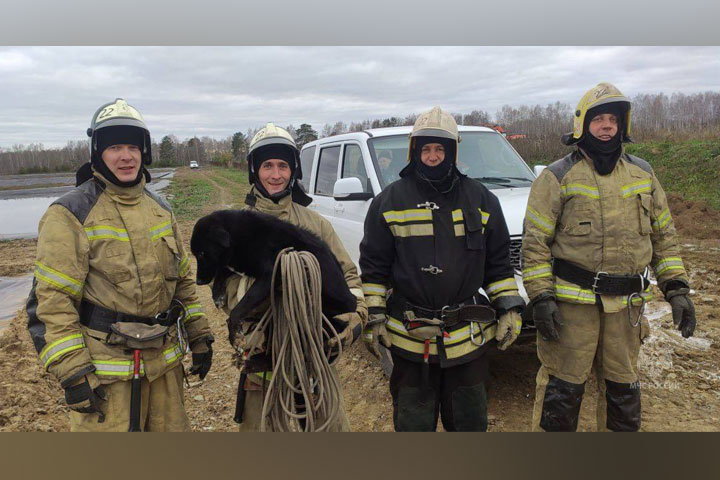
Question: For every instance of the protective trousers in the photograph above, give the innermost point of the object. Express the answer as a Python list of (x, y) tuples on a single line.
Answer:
[(590, 339), (252, 411), (456, 393), (162, 407)]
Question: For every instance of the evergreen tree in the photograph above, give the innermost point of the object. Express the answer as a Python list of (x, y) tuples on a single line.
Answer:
[(239, 146), (168, 153), (305, 134)]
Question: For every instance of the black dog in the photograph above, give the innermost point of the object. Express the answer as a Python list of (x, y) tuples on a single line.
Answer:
[(248, 242)]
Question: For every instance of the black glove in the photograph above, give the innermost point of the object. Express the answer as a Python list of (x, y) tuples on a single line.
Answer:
[(201, 362), (84, 399), (547, 317), (683, 311)]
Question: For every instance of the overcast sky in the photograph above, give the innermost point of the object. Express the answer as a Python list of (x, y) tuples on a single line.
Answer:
[(48, 94)]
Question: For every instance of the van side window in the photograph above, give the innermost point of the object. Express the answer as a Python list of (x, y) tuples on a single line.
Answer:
[(327, 171), (354, 166), (306, 160)]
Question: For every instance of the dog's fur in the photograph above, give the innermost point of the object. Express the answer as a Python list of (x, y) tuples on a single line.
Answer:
[(249, 242)]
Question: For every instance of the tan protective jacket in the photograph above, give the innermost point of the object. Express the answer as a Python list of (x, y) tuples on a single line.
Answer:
[(298, 215), (617, 223), (119, 248)]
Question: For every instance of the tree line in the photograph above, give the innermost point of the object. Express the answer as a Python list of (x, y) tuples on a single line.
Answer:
[(534, 130)]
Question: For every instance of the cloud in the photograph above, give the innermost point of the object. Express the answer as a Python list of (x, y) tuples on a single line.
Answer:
[(48, 94)]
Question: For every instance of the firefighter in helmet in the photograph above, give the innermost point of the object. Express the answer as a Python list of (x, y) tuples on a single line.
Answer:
[(113, 294), (274, 170), (434, 238), (595, 221)]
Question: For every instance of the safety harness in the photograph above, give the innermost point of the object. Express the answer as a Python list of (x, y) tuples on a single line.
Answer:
[(602, 283), (101, 319), (426, 324), (135, 333)]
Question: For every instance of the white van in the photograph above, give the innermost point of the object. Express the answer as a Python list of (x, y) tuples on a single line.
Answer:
[(344, 172)]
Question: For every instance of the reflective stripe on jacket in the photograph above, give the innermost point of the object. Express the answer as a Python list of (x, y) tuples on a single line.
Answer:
[(432, 250), (114, 247), (617, 223)]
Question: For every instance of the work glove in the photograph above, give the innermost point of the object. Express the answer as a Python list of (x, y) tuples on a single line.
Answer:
[(547, 317), (201, 358), (683, 310), (352, 330), (375, 332), (86, 395), (508, 329)]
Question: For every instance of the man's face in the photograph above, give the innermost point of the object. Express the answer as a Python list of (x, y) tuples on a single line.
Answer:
[(123, 161), (384, 162), (274, 174), (604, 126), (432, 154)]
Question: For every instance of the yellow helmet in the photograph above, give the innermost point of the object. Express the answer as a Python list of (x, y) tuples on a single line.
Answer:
[(435, 123), (119, 114), (601, 94)]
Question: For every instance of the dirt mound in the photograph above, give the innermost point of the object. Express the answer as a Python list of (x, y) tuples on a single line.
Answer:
[(694, 219), (18, 257), (30, 399)]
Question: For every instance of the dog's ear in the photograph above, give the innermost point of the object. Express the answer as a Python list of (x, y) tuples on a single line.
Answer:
[(220, 235)]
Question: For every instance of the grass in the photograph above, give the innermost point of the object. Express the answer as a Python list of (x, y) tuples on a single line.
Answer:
[(234, 180), (188, 195), (690, 168)]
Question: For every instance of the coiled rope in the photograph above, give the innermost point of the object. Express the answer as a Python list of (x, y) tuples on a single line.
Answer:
[(304, 392)]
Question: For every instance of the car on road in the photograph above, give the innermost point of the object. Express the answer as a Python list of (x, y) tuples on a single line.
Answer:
[(194, 164), (342, 174)]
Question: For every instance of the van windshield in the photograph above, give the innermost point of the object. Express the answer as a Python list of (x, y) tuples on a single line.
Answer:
[(485, 156)]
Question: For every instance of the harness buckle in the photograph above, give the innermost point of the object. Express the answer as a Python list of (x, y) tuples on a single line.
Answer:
[(431, 269), (428, 205), (596, 280), (448, 309)]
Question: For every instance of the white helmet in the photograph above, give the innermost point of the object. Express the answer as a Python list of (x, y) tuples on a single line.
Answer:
[(118, 114)]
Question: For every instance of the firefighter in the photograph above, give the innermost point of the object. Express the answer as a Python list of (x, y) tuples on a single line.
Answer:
[(112, 277), (595, 220), (274, 170), (434, 238)]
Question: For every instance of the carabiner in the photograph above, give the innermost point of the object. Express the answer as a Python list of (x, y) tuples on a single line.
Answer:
[(472, 335), (635, 323)]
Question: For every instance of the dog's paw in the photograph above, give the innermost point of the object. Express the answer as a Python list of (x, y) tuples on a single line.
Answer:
[(220, 300)]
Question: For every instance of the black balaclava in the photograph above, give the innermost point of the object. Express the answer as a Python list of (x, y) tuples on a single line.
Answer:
[(441, 177), (604, 154), (267, 152), (118, 135)]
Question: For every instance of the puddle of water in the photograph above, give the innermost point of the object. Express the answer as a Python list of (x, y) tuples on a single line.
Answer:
[(160, 182), (13, 293), (19, 217)]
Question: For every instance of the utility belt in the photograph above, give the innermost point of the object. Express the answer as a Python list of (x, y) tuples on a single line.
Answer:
[(133, 331), (425, 324), (601, 283)]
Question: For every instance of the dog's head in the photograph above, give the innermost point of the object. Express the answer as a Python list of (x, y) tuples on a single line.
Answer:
[(210, 243)]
